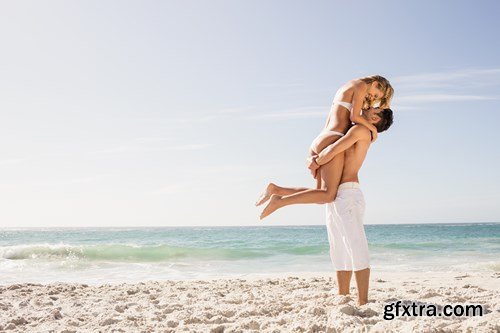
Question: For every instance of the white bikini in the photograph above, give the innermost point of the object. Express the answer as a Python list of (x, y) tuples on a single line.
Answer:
[(336, 100), (347, 105), (325, 131)]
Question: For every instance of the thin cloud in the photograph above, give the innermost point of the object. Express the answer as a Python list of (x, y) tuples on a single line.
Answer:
[(71, 181), (152, 139), (170, 189), (397, 107), (85, 180), (237, 110), (441, 87), (195, 118), (300, 113), (149, 144), (190, 146), (428, 98), (232, 169), (219, 114), (114, 150), (283, 85), (11, 161), (255, 113), (444, 78)]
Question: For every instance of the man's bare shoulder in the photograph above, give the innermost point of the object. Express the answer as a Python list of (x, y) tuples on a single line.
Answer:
[(361, 132)]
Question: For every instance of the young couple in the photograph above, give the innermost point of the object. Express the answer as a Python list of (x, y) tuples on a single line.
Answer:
[(360, 110)]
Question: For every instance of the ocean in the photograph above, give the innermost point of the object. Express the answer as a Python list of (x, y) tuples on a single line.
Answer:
[(115, 255)]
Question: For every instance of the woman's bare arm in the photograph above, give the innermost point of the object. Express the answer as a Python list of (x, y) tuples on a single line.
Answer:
[(357, 103), (352, 136)]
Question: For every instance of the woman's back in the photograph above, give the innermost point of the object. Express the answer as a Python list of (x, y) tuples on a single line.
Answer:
[(339, 116)]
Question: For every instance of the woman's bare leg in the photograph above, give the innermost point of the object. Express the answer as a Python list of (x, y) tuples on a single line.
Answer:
[(319, 180), (330, 174), (272, 188)]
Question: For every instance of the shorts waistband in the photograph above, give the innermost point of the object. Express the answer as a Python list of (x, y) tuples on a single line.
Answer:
[(348, 185)]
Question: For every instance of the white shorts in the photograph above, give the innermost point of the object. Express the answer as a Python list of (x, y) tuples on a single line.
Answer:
[(346, 233)]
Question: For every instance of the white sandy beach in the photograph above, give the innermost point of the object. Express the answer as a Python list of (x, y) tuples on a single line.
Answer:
[(304, 302)]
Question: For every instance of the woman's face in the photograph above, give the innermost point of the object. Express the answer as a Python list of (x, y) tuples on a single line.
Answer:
[(374, 93)]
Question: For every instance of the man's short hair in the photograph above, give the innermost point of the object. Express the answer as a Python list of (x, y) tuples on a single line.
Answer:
[(385, 121)]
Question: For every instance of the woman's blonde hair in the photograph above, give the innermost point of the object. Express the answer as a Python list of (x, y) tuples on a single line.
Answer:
[(384, 86)]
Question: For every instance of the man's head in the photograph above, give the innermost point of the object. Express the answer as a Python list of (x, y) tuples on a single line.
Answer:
[(380, 118)]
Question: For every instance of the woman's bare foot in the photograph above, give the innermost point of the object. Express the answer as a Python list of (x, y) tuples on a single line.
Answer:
[(274, 203), (266, 194)]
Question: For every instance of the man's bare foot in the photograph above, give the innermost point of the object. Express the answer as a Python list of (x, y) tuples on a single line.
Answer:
[(266, 194), (274, 203), (362, 302)]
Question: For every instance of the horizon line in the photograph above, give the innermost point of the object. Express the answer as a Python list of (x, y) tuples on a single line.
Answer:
[(241, 226)]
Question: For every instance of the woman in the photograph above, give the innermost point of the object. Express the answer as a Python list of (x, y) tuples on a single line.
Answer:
[(348, 102)]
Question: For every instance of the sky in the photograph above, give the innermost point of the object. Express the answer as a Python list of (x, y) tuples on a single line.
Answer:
[(178, 113)]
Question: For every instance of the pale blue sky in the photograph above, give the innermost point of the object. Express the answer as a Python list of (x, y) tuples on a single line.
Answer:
[(169, 113)]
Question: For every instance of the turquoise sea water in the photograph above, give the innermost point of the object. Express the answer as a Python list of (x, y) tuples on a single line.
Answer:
[(107, 255)]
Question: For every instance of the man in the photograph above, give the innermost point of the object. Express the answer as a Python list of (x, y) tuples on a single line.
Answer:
[(346, 234)]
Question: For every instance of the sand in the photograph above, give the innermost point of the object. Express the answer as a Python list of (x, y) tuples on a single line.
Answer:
[(300, 302)]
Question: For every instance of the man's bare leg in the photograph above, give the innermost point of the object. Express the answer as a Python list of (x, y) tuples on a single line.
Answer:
[(344, 281), (362, 281), (330, 174)]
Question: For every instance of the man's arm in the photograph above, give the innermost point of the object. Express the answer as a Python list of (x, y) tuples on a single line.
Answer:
[(357, 103), (355, 133)]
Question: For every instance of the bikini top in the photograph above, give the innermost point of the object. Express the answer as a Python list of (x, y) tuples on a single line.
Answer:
[(347, 105), (336, 100)]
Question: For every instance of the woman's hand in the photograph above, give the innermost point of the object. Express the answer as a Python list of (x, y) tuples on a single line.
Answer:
[(374, 133), (312, 165)]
